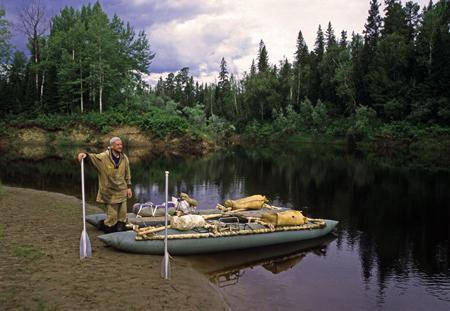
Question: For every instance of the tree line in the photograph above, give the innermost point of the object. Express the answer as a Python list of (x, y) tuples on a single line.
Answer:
[(397, 69)]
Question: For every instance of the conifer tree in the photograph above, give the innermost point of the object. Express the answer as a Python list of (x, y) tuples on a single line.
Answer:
[(301, 58), (263, 58), (319, 44), (343, 39), (394, 20), (372, 27), (330, 38)]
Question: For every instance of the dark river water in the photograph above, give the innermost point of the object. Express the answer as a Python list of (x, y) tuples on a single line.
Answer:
[(390, 252)]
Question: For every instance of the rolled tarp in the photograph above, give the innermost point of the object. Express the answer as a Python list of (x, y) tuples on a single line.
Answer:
[(252, 202)]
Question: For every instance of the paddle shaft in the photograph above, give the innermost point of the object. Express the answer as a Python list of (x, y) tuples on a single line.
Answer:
[(83, 195), (166, 254)]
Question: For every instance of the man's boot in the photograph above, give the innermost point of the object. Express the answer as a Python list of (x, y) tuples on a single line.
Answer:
[(109, 229), (120, 226), (106, 229)]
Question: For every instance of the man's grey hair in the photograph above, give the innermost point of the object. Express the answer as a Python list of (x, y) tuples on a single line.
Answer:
[(113, 140)]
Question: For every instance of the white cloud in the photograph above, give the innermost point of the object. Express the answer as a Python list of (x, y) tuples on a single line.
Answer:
[(233, 29), (200, 43)]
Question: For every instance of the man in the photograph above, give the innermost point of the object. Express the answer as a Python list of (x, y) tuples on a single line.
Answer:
[(114, 183)]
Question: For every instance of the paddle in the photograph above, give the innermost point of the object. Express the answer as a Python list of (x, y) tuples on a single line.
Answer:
[(85, 243), (165, 267)]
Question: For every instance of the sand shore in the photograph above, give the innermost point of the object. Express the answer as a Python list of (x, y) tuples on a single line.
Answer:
[(40, 267)]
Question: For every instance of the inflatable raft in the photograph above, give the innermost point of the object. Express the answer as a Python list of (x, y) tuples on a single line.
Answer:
[(201, 241)]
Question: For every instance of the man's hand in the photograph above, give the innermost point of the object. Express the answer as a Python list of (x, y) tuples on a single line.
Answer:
[(129, 193), (81, 156)]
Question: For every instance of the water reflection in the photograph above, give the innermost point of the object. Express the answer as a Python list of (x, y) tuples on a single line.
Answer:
[(394, 221), (225, 269)]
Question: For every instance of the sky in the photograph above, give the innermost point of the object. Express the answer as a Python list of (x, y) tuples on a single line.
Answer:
[(198, 33)]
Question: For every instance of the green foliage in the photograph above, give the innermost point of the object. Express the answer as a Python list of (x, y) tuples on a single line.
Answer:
[(388, 81), (421, 111), (394, 109), (363, 123), (219, 128), (286, 122), (196, 115), (319, 117), (259, 132), (161, 124), (314, 118), (443, 113)]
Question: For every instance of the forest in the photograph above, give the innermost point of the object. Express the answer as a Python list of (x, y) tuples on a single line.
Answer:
[(84, 66)]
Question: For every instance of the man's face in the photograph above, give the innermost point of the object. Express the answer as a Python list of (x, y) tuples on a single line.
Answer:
[(117, 146)]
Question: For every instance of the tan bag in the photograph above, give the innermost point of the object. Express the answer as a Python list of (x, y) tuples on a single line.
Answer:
[(187, 198), (286, 218), (251, 202)]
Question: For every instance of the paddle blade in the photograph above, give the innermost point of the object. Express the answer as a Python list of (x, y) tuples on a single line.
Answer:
[(165, 267), (85, 245)]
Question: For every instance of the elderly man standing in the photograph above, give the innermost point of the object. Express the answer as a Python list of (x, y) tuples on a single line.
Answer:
[(114, 183)]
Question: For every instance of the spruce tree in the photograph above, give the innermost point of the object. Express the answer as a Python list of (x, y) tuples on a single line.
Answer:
[(263, 58), (301, 52), (413, 17), (253, 68), (301, 58), (372, 27), (223, 90), (224, 82), (372, 32), (316, 58), (319, 44), (343, 40), (330, 38), (395, 19)]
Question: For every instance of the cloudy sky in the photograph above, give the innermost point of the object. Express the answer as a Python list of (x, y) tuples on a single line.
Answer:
[(198, 33)]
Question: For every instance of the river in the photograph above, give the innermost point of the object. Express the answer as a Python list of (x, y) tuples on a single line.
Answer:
[(391, 249)]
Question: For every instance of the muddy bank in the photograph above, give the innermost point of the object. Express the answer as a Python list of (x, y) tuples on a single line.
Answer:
[(40, 266), (84, 136)]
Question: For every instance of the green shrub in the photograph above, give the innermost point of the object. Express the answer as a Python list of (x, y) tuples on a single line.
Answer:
[(219, 128), (162, 125), (319, 117), (259, 131), (394, 109), (421, 111), (363, 123), (306, 111), (196, 116), (286, 122)]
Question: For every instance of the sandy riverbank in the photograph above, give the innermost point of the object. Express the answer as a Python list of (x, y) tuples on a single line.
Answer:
[(40, 267)]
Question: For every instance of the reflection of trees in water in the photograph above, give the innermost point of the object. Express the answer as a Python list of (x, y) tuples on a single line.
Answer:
[(226, 269), (398, 219)]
